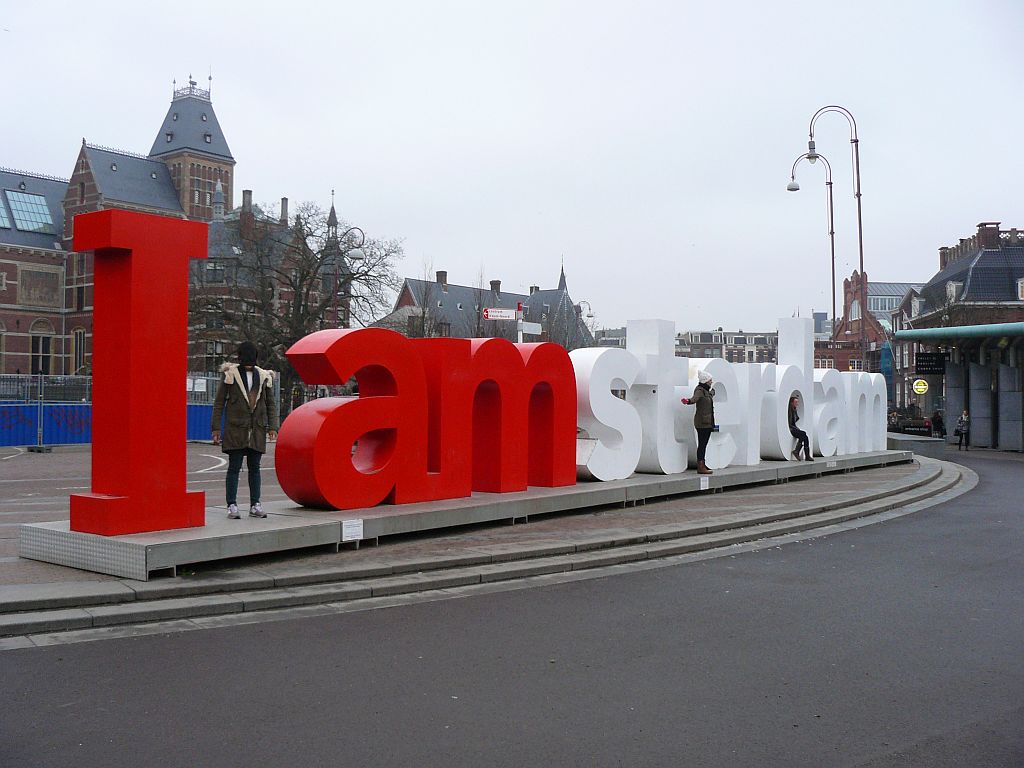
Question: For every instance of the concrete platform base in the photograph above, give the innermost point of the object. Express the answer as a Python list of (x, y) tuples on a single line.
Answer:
[(932, 447), (137, 556)]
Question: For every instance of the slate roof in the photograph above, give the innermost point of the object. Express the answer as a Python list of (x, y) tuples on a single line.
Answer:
[(136, 179), (225, 244), (184, 122), (460, 305), (989, 275), (52, 189)]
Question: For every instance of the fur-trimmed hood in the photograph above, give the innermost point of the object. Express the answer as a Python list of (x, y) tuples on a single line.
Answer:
[(232, 375)]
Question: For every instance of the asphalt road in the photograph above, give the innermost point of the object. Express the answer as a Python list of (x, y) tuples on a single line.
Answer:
[(898, 644)]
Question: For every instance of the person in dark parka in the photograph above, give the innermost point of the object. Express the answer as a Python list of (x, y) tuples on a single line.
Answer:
[(245, 399), (703, 417)]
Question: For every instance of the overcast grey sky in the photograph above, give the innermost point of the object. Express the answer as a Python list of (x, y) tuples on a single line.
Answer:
[(647, 143)]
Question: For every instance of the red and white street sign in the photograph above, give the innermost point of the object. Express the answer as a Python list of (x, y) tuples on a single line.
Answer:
[(495, 313)]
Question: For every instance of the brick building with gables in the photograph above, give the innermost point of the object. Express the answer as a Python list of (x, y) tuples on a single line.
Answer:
[(45, 287)]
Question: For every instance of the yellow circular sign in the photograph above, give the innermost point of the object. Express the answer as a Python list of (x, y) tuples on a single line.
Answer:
[(920, 386)]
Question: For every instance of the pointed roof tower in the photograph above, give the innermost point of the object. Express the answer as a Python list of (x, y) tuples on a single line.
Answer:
[(218, 202), (332, 247), (191, 125), (561, 280), (192, 146), (332, 219)]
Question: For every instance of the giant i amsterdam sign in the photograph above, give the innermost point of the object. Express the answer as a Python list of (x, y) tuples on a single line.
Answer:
[(435, 418)]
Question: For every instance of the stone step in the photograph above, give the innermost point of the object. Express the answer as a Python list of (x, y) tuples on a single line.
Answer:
[(240, 595)]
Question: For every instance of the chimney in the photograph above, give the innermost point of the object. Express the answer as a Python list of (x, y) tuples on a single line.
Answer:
[(944, 257), (247, 221), (284, 211), (496, 287), (988, 234), (1014, 236), (534, 289), (442, 279)]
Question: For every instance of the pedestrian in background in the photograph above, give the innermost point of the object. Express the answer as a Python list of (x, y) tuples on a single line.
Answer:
[(703, 417), (963, 431), (801, 437), (245, 398)]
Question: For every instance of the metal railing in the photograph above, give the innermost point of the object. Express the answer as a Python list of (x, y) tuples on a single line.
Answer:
[(52, 389), (57, 410)]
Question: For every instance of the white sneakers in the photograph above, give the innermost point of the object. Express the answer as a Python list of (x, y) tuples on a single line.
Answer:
[(256, 510)]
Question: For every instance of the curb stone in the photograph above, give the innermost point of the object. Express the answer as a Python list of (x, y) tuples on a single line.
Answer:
[(252, 592)]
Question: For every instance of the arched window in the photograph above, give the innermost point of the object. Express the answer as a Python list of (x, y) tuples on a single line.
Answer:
[(855, 310), (42, 347), (78, 350)]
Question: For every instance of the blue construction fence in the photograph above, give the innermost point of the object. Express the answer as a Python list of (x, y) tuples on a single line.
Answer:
[(57, 410)]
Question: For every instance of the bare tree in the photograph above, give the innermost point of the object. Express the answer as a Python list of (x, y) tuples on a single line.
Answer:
[(294, 280)]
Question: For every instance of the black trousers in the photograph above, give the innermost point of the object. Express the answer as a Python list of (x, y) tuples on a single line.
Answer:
[(703, 435), (802, 441), (252, 460), (965, 440)]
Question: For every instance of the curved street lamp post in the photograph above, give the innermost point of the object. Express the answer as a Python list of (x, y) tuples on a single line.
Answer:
[(793, 186), (812, 155)]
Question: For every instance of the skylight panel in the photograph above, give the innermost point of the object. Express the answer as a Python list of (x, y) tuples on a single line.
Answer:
[(31, 213), (5, 223)]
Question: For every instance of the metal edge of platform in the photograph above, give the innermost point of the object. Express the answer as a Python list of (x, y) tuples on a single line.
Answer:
[(136, 556)]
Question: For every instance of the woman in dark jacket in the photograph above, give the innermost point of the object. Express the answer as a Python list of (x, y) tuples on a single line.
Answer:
[(801, 437), (963, 431), (246, 399), (703, 417)]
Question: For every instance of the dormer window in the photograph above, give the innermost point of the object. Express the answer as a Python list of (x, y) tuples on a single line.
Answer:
[(169, 136), (174, 116), (208, 137), (152, 174), (459, 305), (204, 117), (1020, 289), (953, 290), (113, 166)]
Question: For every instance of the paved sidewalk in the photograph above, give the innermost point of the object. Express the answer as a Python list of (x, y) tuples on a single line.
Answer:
[(35, 487)]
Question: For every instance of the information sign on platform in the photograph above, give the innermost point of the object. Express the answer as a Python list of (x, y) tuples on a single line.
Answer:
[(351, 530), (495, 313)]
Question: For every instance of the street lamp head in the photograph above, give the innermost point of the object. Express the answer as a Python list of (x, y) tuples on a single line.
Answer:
[(356, 254), (792, 186), (812, 155)]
